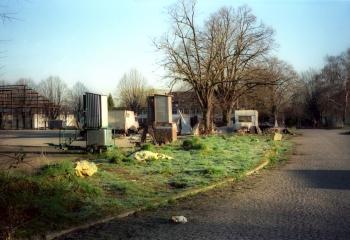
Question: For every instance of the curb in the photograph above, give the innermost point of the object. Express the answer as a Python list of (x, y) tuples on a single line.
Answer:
[(265, 161)]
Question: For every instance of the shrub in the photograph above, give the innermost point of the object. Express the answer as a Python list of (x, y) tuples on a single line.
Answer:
[(187, 144), (194, 144)]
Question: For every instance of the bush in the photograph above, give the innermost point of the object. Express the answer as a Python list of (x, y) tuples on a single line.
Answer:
[(187, 144), (194, 144)]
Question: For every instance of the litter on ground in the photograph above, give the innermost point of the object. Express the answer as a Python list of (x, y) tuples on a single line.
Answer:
[(179, 219), (148, 155), (85, 168)]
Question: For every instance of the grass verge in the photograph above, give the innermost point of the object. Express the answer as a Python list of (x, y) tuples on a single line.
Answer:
[(55, 198)]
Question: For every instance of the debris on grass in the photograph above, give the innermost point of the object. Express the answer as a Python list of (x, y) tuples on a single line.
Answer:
[(142, 156), (85, 168), (179, 219)]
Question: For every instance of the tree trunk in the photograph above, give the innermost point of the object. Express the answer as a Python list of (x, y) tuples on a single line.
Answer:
[(207, 119), (275, 115), (226, 116), (346, 107)]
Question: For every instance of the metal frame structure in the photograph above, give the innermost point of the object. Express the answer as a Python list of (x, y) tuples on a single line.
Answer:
[(18, 104)]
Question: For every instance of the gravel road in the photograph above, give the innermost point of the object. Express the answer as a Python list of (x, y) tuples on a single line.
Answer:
[(306, 198)]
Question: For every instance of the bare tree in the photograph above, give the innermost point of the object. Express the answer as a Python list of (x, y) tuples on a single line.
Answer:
[(326, 95), (285, 84), (132, 90), (244, 45), (5, 15), (110, 102), (278, 89), (190, 54), (26, 81), (307, 107), (346, 62), (76, 99), (3, 82), (56, 91)]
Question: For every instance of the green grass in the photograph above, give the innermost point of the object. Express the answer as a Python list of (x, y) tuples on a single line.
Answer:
[(55, 198)]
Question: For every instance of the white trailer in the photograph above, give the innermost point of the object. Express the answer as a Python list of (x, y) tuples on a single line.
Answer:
[(122, 121), (246, 119)]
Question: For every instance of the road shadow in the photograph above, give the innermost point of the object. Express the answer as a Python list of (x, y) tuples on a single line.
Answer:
[(345, 133), (326, 179)]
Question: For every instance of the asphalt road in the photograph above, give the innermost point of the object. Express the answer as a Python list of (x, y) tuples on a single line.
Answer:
[(307, 198)]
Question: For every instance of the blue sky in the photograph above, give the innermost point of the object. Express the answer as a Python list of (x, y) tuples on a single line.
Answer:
[(96, 41)]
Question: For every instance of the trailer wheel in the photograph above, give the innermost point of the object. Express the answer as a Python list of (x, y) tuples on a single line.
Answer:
[(89, 149), (99, 150)]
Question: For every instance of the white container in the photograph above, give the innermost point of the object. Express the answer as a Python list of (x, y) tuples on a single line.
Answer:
[(122, 120), (246, 119)]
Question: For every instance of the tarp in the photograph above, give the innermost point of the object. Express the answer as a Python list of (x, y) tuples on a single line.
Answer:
[(185, 126)]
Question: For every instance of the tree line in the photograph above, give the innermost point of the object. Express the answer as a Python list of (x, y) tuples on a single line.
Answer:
[(225, 58), (323, 98)]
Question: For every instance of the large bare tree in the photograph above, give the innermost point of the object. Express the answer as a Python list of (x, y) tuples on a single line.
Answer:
[(245, 44), (190, 56), (132, 90), (57, 92)]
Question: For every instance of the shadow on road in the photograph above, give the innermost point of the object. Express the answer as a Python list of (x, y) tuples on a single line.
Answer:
[(326, 179)]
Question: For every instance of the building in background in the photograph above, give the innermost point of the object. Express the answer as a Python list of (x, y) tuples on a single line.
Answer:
[(22, 107)]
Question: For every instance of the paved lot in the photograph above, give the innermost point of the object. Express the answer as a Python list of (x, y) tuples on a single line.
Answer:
[(32, 138), (36, 145), (307, 198), (40, 140)]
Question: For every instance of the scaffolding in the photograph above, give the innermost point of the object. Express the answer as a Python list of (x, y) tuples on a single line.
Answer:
[(22, 107)]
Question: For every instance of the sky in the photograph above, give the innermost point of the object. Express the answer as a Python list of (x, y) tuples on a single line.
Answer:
[(97, 41)]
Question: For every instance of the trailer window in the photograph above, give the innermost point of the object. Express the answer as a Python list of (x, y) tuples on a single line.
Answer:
[(245, 118)]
